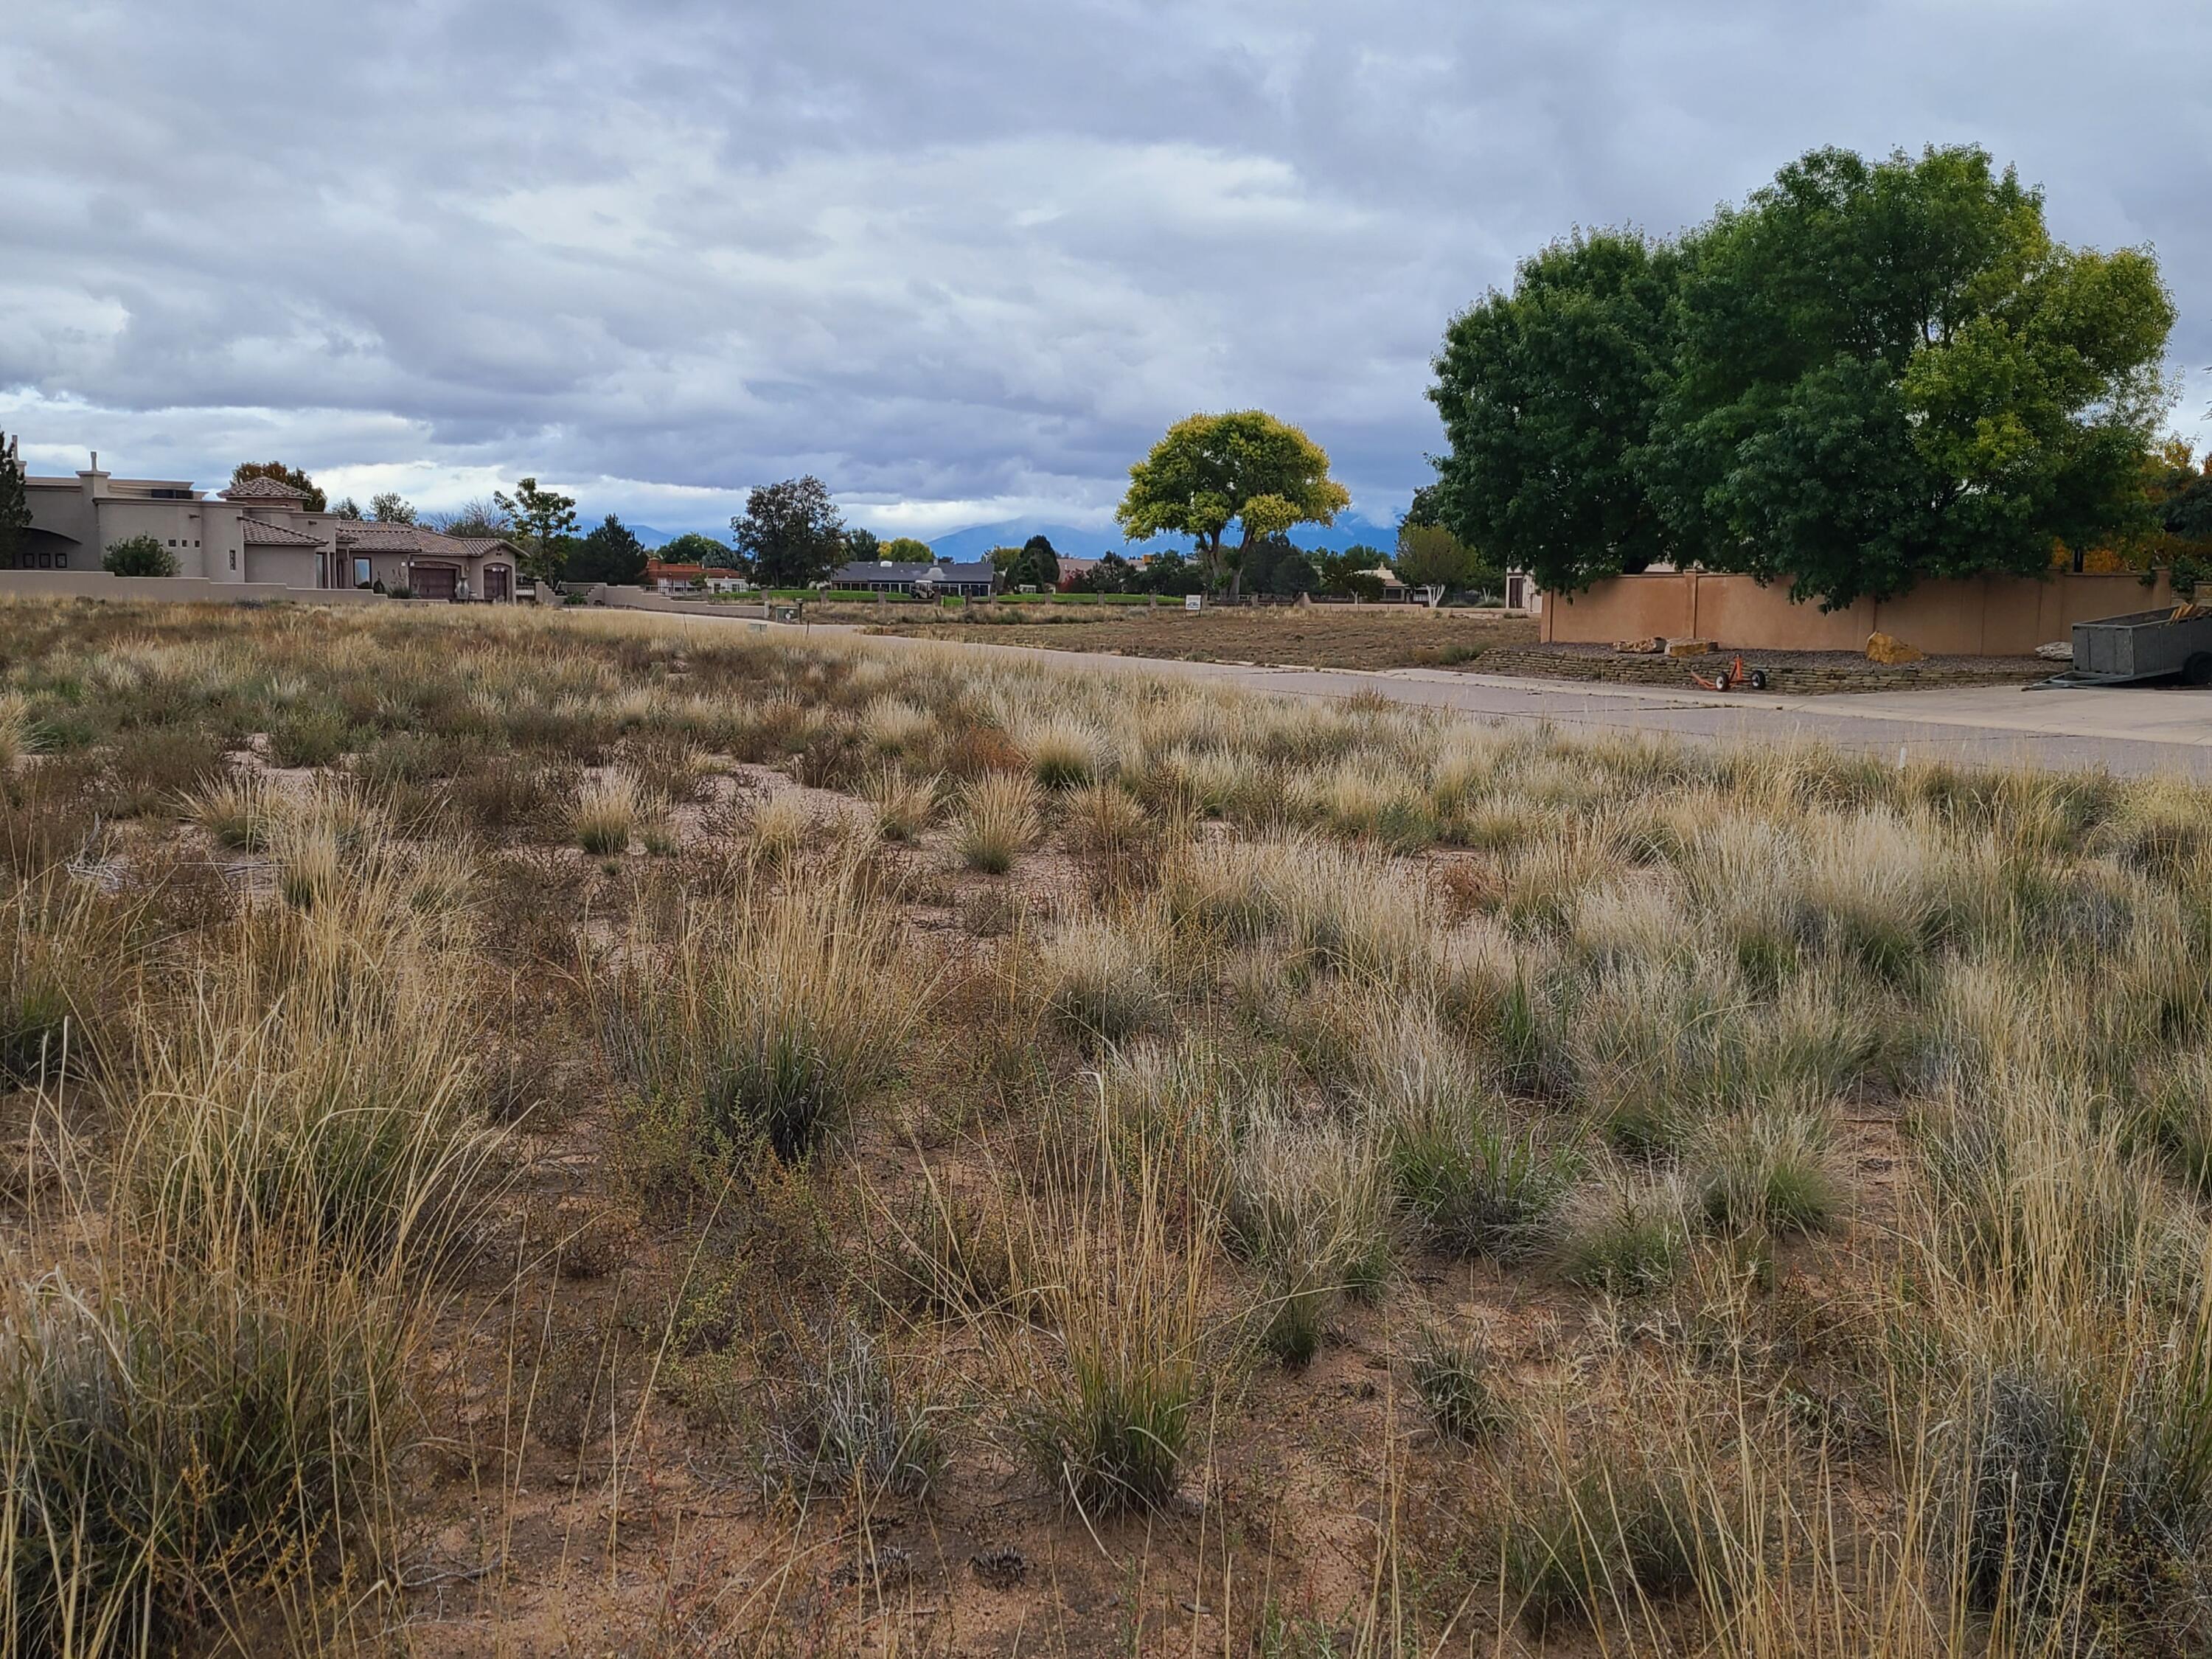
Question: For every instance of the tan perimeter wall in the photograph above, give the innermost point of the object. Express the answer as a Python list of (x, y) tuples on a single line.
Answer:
[(176, 590), (1982, 616)]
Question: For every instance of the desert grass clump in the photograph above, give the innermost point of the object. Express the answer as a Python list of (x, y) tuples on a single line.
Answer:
[(1591, 1538), (1771, 1170), (238, 811), (853, 1420), (606, 814), (997, 821), (1473, 1183), (743, 1034), (1630, 1242), (1310, 1205), (1119, 842), (166, 1440), (905, 807), (18, 733), (776, 829), (59, 976), (1451, 1375), (308, 737), (1063, 753), (316, 1082), (1108, 1425), (1104, 977)]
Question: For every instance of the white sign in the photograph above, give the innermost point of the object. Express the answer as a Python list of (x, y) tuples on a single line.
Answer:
[(1194, 602)]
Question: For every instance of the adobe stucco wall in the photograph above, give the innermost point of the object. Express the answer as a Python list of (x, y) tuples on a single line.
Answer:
[(1983, 617), (98, 585)]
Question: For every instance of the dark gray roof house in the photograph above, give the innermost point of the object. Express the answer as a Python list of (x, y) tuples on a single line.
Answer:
[(970, 580)]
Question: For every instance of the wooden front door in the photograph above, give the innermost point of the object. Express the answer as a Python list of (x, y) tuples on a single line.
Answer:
[(435, 582), (495, 582)]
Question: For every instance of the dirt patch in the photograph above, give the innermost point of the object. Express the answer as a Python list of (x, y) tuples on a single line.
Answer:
[(1800, 673), (1318, 636)]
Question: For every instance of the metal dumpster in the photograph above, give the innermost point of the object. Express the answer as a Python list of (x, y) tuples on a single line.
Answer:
[(2174, 641)]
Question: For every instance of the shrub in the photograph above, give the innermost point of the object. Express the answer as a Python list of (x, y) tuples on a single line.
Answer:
[(1474, 1185), (138, 556), (998, 822), (852, 1420), (1449, 1375), (19, 736), (308, 737)]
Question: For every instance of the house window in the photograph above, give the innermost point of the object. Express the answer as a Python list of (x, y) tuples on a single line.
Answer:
[(362, 578), (233, 558)]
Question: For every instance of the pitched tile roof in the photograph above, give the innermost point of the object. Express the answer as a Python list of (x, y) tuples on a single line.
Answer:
[(369, 535), (265, 534), (264, 489)]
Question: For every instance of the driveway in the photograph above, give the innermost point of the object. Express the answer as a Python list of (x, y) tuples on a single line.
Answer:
[(2136, 731)]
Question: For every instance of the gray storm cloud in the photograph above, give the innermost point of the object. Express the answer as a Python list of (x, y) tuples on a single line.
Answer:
[(963, 260)]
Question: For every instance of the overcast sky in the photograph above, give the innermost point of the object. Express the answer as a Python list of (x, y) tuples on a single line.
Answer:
[(964, 260)]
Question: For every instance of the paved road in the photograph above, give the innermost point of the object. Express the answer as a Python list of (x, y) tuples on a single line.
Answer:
[(2135, 732)]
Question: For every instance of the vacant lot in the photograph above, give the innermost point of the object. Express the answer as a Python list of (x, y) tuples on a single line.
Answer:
[(554, 1133), (1319, 636)]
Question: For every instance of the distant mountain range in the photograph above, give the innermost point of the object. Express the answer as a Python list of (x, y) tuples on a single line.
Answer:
[(977, 540)]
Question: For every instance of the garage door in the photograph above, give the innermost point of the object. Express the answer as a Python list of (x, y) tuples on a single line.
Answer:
[(434, 581)]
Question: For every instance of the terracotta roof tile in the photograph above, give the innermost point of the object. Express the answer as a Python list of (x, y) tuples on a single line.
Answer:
[(265, 534), (264, 489)]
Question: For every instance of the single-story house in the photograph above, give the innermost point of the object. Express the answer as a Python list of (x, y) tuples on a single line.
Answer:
[(429, 565), (971, 581), (668, 578)]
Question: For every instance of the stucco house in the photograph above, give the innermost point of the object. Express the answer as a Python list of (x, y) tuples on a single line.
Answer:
[(432, 566), (970, 580), (260, 531)]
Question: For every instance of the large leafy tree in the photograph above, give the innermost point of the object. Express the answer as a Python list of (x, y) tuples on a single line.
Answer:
[(1430, 556), (907, 549), (389, 507), (1547, 394), (692, 548), (316, 501), (1886, 372), (1245, 468), (14, 502), (540, 521), (611, 553), (790, 534)]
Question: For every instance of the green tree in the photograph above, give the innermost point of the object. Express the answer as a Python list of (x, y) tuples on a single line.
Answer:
[(611, 553), (862, 546), (537, 519), (1547, 395), (1245, 468), (348, 509), (1169, 574), (905, 549), (1889, 372), (1037, 565), (139, 555), (1112, 574), (481, 519), (692, 548), (389, 507), (315, 502), (1351, 573), (790, 534), (1430, 556), (1276, 565), (15, 502)]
